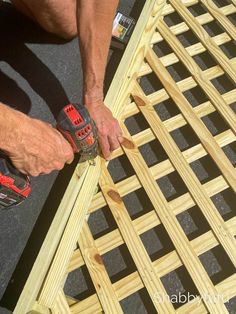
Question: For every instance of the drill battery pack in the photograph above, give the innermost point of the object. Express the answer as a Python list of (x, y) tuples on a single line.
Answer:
[(14, 186)]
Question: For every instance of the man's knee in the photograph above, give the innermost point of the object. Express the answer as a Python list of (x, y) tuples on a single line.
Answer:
[(67, 33), (55, 16)]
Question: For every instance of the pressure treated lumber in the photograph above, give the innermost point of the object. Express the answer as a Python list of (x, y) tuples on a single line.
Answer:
[(202, 200), (40, 268), (192, 50), (205, 38), (176, 233), (215, 11), (134, 243), (187, 111), (197, 74), (61, 305), (96, 268), (165, 264), (168, 9), (69, 238), (164, 168)]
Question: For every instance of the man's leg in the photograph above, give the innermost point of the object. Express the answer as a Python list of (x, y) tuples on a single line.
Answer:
[(55, 16)]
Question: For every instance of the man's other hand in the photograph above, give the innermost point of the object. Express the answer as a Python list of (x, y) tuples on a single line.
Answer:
[(109, 132)]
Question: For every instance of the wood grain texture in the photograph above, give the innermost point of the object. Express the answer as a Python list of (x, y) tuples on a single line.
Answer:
[(165, 167), (202, 19), (205, 38), (198, 126), (170, 222), (61, 306), (98, 273), (197, 74), (69, 238), (195, 188), (136, 248), (47, 251), (220, 17)]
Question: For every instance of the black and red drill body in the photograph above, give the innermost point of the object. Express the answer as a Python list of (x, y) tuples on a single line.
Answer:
[(75, 123)]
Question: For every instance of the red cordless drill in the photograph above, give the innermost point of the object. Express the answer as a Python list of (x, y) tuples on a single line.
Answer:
[(75, 123)]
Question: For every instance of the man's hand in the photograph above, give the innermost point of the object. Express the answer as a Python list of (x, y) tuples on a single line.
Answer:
[(109, 131), (94, 21), (33, 146)]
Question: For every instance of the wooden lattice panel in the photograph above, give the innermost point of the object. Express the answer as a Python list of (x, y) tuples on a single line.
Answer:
[(179, 110)]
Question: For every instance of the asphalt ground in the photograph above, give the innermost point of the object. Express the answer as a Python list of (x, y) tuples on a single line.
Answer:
[(39, 74)]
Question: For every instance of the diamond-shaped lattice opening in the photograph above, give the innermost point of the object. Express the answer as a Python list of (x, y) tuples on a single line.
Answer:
[(213, 28), (196, 96), (205, 169), (118, 263), (137, 203), (157, 242), (120, 168), (172, 186), (223, 84), (197, 9), (153, 152), (233, 107), (229, 49), (215, 123), (101, 222), (138, 302), (179, 286), (178, 71), (225, 203), (188, 38), (217, 264), (173, 19), (205, 60), (162, 48), (232, 17), (193, 222), (231, 305), (136, 123), (166, 109), (185, 137), (222, 3), (150, 83), (230, 152), (79, 284)]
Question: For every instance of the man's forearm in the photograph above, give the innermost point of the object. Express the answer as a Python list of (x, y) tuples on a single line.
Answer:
[(95, 19), (8, 122)]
